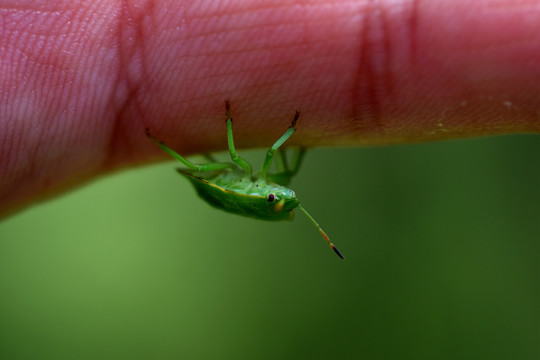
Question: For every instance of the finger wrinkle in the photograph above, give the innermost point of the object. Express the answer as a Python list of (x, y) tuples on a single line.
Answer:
[(386, 58), (56, 58), (134, 24)]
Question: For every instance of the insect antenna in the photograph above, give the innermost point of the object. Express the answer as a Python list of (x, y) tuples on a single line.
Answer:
[(321, 231)]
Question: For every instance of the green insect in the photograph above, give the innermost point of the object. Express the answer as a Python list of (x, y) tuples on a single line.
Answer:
[(233, 187)]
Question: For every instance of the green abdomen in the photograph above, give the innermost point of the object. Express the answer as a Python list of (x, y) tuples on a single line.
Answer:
[(252, 206)]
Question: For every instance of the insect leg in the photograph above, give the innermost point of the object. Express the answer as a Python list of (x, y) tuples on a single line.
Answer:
[(282, 164), (277, 144), (209, 157), (232, 150), (285, 174), (189, 164), (298, 159)]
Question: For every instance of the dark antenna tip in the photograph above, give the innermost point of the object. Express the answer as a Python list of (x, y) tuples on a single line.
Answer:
[(325, 237), (337, 251)]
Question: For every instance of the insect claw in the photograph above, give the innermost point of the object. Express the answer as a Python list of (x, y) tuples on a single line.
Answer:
[(151, 137), (228, 111), (147, 133), (296, 116)]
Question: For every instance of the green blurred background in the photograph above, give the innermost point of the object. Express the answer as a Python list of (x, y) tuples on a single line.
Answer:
[(442, 247)]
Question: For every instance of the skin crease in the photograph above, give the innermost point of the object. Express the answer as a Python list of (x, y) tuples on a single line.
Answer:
[(80, 80)]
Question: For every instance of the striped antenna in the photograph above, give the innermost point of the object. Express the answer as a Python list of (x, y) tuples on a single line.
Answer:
[(321, 231)]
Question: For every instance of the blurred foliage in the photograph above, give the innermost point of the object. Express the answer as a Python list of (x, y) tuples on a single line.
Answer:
[(442, 262)]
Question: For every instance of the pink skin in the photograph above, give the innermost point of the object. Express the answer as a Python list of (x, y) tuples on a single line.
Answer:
[(80, 80)]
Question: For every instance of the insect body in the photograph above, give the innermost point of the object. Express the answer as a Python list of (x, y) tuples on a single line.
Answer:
[(232, 187)]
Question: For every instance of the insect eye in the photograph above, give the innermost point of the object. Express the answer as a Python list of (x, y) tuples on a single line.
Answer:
[(271, 197)]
